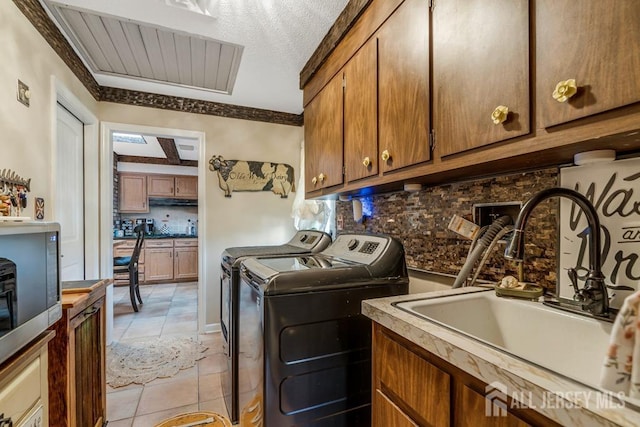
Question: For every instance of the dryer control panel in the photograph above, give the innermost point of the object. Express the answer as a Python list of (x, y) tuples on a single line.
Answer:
[(361, 248)]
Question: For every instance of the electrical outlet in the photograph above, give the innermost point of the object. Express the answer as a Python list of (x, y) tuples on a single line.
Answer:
[(486, 213), (23, 94)]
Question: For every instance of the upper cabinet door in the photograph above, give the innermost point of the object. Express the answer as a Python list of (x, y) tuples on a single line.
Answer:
[(403, 86), (160, 185), (361, 114), (480, 65), (323, 137), (594, 42), (186, 187)]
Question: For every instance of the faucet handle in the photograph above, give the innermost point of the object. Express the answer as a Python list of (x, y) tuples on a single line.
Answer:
[(573, 276)]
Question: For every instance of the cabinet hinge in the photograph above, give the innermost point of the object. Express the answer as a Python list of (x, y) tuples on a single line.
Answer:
[(432, 4), (432, 139)]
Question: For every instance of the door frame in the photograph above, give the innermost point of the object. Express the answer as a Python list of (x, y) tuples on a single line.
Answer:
[(60, 94), (106, 202)]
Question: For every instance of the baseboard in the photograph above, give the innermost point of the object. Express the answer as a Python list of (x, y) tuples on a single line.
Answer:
[(210, 328)]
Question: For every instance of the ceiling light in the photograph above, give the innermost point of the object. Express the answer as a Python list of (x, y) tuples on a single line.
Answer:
[(203, 7), (128, 138), (186, 147)]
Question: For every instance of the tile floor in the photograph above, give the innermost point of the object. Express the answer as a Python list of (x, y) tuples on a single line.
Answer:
[(168, 309)]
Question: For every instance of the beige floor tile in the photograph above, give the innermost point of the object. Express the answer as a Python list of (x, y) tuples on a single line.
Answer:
[(209, 387), (173, 394), (212, 364), (176, 327), (123, 404), (183, 373), (216, 405), (144, 327), (150, 420)]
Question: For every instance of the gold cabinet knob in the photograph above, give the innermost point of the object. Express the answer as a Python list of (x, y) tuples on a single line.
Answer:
[(366, 162), (314, 180), (385, 155), (565, 90), (321, 177), (500, 114)]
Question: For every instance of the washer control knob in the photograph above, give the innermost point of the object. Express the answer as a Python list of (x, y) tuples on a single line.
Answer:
[(352, 244), (304, 237)]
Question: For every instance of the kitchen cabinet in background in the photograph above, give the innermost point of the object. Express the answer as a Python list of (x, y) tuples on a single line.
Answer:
[(480, 62), (185, 259), (133, 193), (158, 259), (178, 186), (594, 42), (403, 87)]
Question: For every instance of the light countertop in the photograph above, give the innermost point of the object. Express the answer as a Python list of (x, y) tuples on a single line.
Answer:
[(578, 404)]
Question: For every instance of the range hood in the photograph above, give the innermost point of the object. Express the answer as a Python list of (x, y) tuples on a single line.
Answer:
[(166, 201)]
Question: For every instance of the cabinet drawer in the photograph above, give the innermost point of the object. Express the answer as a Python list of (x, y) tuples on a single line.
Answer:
[(165, 243), (22, 393), (118, 252), (416, 382), (124, 244), (182, 243)]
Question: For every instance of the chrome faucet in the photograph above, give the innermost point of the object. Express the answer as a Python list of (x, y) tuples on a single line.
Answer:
[(593, 296)]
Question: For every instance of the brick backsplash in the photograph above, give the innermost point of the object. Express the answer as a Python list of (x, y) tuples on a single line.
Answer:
[(420, 221)]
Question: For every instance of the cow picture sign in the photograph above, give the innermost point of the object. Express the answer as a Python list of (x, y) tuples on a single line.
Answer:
[(242, 175)]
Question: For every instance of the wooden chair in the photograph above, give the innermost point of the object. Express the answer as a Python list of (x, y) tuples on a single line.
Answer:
[(126, 264)]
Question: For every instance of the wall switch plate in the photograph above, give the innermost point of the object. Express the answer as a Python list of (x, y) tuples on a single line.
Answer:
[(23, 93)]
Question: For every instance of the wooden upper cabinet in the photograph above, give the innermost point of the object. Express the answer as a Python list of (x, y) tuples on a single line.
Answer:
[(480, 62), (323, 137), (186, 187), (595, 42), (181, 186), (133, 193), (160, 185), (361, 114), (403, 86)]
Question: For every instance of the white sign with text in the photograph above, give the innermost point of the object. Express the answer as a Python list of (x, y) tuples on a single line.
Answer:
[(614, 190)]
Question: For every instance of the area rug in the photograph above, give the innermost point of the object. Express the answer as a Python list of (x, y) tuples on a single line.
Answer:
[(143, 361)]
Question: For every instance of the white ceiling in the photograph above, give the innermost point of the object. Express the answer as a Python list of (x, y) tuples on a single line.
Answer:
[(278, 37)]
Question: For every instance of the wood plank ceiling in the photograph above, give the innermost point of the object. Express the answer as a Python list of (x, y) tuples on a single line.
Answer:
[(121, 47)]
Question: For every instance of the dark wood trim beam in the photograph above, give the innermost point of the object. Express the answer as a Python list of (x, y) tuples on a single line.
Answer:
[(188, 105), (169, 147), (38, 17), (155, 161), (338, 30)]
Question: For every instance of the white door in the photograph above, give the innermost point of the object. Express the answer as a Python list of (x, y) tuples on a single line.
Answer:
[(69, 211)]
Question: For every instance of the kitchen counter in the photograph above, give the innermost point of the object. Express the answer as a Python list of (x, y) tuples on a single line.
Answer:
[(573, 403), (159, 236)]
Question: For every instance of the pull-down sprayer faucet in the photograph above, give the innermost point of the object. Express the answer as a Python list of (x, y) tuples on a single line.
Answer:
[(593, 296)]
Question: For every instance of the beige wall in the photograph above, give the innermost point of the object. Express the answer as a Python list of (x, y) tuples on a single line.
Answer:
[(26, 142), (247, 218)]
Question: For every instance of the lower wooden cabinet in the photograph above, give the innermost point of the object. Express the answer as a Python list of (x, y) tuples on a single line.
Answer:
[(24, 396), (185, 259), (77, 379), (158, 260), (413, 387)]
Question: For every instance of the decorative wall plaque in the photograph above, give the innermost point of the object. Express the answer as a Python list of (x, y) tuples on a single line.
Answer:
[(614, 190), (241, 175)]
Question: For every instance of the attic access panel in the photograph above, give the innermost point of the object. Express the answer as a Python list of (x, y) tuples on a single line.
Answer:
[(115, 46)]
